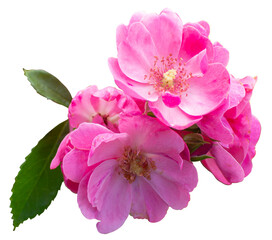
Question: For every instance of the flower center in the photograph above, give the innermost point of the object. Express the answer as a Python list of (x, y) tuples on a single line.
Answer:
[(169, 74), (133, 163), (168, 78)]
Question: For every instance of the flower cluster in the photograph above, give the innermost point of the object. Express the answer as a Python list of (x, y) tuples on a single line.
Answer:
[(131, 152)]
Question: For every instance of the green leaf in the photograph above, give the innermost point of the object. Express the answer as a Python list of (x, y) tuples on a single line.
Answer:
[(194, 128), (200, 158), (194, 141), (49, 86), (36, 185)]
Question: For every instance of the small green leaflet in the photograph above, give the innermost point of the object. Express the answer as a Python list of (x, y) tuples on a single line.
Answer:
[(200, 158), (194, 141), (48, 86), (36, 185)]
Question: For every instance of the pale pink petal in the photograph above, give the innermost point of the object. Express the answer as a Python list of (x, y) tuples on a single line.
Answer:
[(220, 55), (100, 182), (62, 150), (172, 193), (136, 54), (173, 117), (202, 26), (206, 93), (83, 136), (107, 146), (148, 134), (130, 87), (85, 206), (81, 109), (116, 205), (230, 168), (166, 32), (75, 164), (146, 203), (136, 17), (121, 34)]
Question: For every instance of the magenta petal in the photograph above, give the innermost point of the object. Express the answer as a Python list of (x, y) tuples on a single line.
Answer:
[(75, 164), (132, 88), (206, 93), (193, 42), (146, 203), (170, 100), (107, 146), (83, 136), (247, 165), (173, 117), (136, 53), (212, 166), (189, 176), (227, 164), (166, 32), (85, 206), (116, 204)]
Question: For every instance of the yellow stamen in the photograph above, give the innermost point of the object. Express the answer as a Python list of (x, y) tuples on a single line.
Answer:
[(168, 78)]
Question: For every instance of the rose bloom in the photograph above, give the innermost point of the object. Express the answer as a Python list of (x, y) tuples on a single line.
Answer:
[(135, 171), (100, 106), (236, 132), (173, 66)]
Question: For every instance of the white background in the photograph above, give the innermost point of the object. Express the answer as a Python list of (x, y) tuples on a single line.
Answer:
[(73, 40)]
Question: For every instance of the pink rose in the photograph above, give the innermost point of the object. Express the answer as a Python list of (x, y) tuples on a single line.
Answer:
[(236, 132), (100, 106), (132, 172), (174, 67)]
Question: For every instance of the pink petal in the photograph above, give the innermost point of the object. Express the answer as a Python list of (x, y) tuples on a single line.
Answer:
[(116, 204), (173, 117), (75, 164), (121, 34), (100, 182), (220, 55), (130, 87), (85, 206), (146, 203), (136, 54), (229, 167), (166, 32), (62, 150), (81, 109), (206, 93), (170, 100), (212, 166), (193, 42), (215, 126), (107, 146), (83, 136), (148, 134), (182, 172), (172, 193), (189, 176)]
